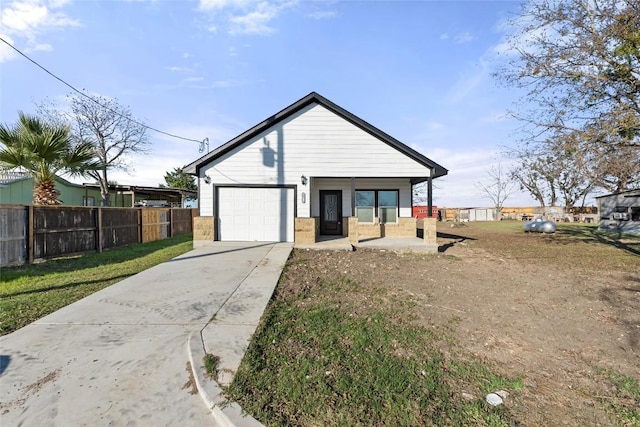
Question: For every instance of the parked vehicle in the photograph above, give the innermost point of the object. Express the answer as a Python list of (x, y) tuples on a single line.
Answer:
[(540, 226)]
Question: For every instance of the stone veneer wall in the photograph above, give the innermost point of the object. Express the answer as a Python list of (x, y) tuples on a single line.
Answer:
[(369, 230), (306, 230), (203, 230), (406, 227)]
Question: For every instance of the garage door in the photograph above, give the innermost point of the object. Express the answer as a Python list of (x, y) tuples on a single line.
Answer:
[(255, 214)]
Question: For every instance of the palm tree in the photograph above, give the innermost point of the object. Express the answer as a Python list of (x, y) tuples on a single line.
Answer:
[(44, 150)]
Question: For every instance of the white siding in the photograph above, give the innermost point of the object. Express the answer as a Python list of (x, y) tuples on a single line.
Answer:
[(314, 142), (205, 198)]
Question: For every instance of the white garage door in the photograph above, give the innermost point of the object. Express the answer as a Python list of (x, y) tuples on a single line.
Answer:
[(255, 214)]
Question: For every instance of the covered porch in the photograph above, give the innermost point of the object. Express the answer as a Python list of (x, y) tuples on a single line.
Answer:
[(361, 212), (396, 244)]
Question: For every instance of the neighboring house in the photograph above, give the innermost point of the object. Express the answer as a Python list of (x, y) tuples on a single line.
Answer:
[(139, 196), (17, 188), (620, 211), (311, 170)]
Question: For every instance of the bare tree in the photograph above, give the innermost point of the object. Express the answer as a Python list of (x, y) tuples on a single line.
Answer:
[(572, 176), (579, 63), (111, 129), (616, 170), (561, 171), (533, 175), (498, 188)]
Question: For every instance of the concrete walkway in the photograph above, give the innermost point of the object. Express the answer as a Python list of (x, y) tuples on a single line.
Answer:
[(121, 356)]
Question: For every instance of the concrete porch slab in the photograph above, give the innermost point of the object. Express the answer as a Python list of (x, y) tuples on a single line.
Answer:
[(403, 244)]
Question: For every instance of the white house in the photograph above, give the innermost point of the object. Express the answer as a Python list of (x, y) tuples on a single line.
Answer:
[(620, 211), (312, 169)]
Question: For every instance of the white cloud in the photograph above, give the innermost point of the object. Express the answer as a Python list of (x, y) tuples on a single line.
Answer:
[(244, 16), (432, 125), (31, 19), (320, 15), (215, 84), (6, 53), (255, 22), (469, 81), (42, 47), (459, 38), (213, 5), (463, 38), (178, 69)]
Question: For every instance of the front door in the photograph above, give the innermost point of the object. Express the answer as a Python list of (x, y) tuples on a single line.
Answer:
[(331, 212)]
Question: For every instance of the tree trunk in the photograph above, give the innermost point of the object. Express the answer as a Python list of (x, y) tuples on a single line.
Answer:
[(104, 189), (45, 193)]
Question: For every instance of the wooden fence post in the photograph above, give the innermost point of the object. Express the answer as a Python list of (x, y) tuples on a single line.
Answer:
[(140, 225), (170, 222), (30, 236), (99, 230)]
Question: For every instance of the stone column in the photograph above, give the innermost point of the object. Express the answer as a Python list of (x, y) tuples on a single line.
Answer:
[(430, 234), (353, 230), (203, 230), (305, 231)]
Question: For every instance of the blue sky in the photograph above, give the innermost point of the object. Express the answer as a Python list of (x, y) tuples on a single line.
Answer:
[(418, 70)]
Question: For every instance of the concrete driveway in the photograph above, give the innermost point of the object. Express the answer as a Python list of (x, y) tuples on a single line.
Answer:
[(120, 356)]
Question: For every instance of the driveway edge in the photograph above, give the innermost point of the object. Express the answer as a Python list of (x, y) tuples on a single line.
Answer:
[(225, 413)]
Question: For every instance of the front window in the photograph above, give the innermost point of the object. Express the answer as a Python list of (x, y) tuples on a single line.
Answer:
[(377, 203), (365, 205), (388, 206)]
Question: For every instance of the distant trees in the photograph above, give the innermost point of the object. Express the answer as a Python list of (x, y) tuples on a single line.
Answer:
[(498, 188), (177, 178), (578, 62), (44, 150), (108, 126)]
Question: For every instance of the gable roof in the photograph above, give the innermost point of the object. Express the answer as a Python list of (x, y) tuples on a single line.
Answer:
[(314, 97)]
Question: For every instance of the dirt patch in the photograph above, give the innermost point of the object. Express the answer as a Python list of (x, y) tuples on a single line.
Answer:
[(190, 385), (553, 325), (30, 390)]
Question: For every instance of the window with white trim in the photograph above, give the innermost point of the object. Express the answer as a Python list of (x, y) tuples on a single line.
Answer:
[(382, 204)]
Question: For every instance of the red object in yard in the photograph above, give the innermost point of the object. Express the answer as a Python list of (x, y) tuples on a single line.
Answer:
[(421, 211)]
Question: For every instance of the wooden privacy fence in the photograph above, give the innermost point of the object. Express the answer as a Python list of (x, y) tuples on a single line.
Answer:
[(28, 233)]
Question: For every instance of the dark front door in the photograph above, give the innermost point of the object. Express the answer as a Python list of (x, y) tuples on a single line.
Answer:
[(331, 212)]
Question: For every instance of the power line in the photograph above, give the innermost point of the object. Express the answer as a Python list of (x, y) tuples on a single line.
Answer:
[(92, 99)]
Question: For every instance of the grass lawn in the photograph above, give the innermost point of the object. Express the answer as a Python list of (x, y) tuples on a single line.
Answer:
[(335, 347), (320, 359), (573, 245), (30, 292)]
